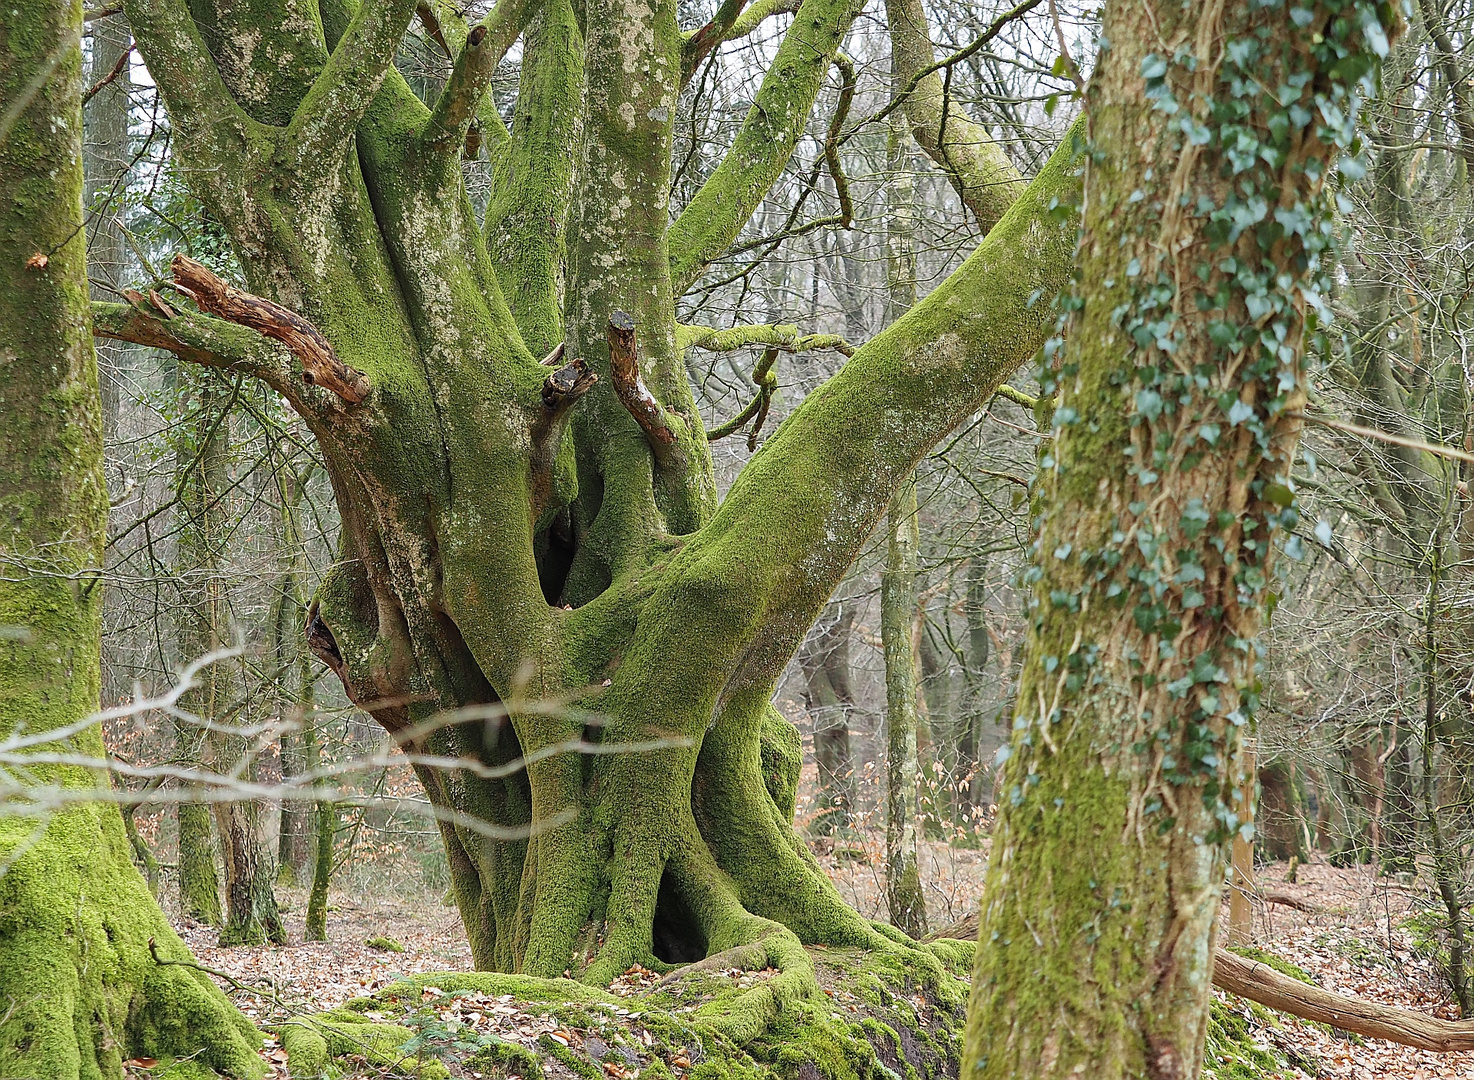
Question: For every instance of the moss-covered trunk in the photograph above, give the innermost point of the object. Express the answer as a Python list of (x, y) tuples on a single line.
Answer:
[(1217, 131), (77, 921)]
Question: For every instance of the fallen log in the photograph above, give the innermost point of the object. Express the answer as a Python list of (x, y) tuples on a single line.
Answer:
[(1259, 982)]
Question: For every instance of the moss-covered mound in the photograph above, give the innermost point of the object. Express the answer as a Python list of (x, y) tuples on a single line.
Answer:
[(892, 1014)]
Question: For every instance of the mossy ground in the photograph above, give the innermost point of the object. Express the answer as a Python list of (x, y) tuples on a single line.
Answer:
[(884, 1015), (1237, 1047)]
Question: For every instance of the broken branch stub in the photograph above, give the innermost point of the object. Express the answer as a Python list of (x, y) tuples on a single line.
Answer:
[(624, 371), (320, 365)]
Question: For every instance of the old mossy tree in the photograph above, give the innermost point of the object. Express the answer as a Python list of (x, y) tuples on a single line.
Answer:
[(526, 545)]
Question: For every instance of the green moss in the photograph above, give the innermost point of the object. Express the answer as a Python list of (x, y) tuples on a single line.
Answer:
[(385, 944), (1284, 967), (847, 1014), (1233, 1053)]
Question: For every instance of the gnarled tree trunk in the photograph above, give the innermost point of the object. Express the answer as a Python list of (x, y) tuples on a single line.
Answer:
[(538, 594)]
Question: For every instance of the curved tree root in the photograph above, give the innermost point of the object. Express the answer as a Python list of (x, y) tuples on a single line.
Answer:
[(783, 1011), (80, 991)]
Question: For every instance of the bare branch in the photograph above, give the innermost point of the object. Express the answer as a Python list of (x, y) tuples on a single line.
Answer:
[(320, 365), (767, 382), (197, 339), (118, 69)]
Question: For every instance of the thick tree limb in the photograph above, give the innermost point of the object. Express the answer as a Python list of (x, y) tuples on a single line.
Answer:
[(629, 385), (324, 122), (699, 45), (756, 14), (780, 336), (197, 339), (977, 168), (485, 46), (1261, 983), (320, 365), (718, 211), (198, 100)]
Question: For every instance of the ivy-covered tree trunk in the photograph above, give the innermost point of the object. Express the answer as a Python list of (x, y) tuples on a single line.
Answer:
[(89, 968), (538, 594), (1216, 135)]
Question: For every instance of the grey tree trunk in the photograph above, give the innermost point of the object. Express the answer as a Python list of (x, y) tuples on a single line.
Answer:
[(106, 154)]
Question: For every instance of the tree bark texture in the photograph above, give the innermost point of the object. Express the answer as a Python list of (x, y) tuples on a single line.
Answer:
[(81, 990), (106, 157), (1216, 134)]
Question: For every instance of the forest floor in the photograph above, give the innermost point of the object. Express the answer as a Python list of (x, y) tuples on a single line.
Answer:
[(1359, 937)]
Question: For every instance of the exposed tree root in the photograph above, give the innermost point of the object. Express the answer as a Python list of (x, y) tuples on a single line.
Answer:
[(815, 1014)]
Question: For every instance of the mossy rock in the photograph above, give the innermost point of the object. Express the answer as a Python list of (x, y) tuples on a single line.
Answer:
[(385, 944)]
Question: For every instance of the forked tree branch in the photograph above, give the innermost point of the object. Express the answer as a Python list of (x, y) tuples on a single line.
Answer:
[(629, 385), (767, 383), (699, 45), (485, 46), (846, 68), (320, 365), (323, 125), (197, 98)]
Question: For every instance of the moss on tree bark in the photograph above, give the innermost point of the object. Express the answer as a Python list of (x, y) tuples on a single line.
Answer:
[(77, 922)]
